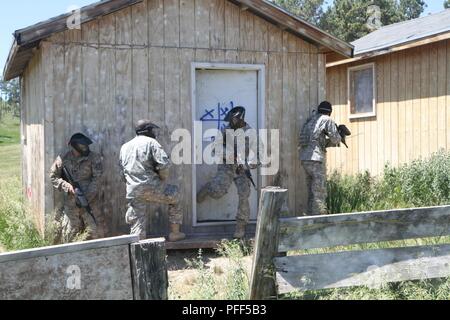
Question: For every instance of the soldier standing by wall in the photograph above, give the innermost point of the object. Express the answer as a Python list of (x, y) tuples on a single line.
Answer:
[(319, 133), (86, 169), (229, 172), (145, 166)]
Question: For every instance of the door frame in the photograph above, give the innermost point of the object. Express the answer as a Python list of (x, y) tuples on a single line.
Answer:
[(261, 70)]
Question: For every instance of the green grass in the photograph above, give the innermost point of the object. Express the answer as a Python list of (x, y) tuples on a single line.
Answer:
[(17, 229), (9, 130)]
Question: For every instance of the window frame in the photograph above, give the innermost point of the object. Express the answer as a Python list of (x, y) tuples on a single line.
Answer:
[(374, 100)]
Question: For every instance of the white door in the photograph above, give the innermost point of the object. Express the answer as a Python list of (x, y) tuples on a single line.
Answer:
[(217, 92)]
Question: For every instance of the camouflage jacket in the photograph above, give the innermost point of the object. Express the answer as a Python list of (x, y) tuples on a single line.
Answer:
[(87, 171), (247, 153), (141, 160), (319, 133)]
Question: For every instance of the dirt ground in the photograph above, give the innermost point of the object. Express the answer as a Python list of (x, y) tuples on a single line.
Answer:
[(182, 278)]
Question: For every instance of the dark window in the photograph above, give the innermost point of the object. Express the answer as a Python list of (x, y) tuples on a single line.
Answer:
[(362, 91)]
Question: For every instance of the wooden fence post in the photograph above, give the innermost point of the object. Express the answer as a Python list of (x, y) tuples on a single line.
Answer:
[(149, 270), (263, 283)]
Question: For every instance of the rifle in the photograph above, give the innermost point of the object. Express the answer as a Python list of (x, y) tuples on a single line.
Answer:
[(344, 132), (248, 173), (80, 197)]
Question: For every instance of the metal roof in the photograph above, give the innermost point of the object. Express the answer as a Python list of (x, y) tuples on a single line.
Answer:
[(404, 32)]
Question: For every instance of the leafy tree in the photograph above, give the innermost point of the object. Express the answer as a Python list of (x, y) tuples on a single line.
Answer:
[(352, 19), (447, 4), (10, 95), (310, 10), (412, 9)]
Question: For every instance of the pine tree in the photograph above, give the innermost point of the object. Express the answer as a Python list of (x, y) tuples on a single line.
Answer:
[(310, 10)]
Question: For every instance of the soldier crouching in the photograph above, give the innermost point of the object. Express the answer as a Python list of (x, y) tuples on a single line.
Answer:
[(85, 168)]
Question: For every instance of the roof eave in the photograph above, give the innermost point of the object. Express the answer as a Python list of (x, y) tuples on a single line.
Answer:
[(367, 54)]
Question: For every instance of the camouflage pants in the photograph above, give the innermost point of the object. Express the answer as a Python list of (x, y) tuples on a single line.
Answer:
[(221, 183), (317, 189), (165, 194), (77, 220)]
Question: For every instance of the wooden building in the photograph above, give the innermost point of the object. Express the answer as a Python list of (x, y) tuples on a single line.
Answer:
[(155, 59), (394, 95)]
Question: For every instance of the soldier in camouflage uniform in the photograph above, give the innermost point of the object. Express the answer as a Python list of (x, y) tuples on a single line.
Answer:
[(319, 133), (230, 172), (86, 169), (145, 166)]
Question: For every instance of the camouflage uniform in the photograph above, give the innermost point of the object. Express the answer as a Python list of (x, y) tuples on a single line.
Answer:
[(226, 175), (87, 171), (141, 160), (319, 133)]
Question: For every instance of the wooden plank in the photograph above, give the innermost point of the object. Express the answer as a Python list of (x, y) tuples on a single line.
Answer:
[(441, 94), (262, 280), (124, 27), (156, 218), (217, 24), (67, 248), (90, 71), (123, 107), (355, 268), (79, 275), (261, 34), (409, 135), (140, 24), (416, 105), (49, 145), (387, 110), (187, 56), (156, 22), (424, 102), (433, 100), (106, 107), (276, 39), (368, 227), (172, 23), (187, 23), (140, 84), (401, 98), (247, 31), (202, 23), (275, 101), (448, 94), (231, 56), (287, 134), (303, 69), (394, 110), (173, 111), (149, 270), (232, 35), (44, 29)]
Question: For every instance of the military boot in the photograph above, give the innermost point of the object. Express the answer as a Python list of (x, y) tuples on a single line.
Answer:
[(240, 230), (175, 234), (202, 195)]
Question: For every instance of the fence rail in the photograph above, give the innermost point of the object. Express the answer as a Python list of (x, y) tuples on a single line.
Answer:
[(275, 273)]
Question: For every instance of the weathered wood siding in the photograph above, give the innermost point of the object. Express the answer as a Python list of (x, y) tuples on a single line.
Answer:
[(32, 128), (413, 110), (136, 63)]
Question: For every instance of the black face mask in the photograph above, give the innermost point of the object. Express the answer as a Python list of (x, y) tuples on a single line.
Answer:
[(82, 149)]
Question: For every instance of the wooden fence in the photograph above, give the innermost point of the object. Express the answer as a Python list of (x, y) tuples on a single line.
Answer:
[(275, 272), (118, 268)]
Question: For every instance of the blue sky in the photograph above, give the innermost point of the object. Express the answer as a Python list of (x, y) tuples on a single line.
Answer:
[(16, 14)]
